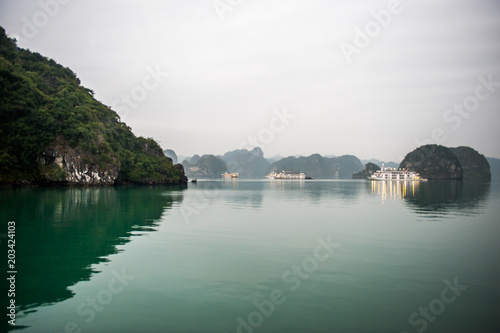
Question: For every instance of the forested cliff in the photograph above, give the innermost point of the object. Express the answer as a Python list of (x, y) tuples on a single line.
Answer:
[(52, 130)]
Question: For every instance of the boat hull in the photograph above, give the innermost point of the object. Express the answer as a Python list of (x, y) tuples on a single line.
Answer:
[(399, 179), (396, 175)]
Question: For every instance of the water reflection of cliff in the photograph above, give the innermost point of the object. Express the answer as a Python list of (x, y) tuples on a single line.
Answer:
[(393, 190), (61, 233), (435, 197)]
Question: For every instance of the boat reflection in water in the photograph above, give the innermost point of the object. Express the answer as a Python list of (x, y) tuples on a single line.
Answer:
[(394, 189), (278, 184), (435, 199)]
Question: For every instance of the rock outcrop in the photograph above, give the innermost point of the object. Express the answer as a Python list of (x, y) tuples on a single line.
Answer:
[(433, 162), (75, 167), (474, 165), (370, 169)]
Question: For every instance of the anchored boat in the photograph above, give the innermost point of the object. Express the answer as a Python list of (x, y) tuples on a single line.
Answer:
[(233, 175), (287, 175), (392, 174)]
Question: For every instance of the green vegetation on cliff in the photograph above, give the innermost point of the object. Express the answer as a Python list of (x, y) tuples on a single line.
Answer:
[(53, 130)]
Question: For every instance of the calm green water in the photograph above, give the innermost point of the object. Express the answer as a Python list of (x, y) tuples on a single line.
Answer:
[(257, 256)]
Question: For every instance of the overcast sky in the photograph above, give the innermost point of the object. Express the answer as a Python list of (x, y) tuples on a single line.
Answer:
[(370, 78)]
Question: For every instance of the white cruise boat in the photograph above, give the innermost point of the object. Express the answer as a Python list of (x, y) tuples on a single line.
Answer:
[(288, 175), (393, 174), (228, 175)]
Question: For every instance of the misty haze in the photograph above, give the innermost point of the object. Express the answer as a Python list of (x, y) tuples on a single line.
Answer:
[(250, 166)]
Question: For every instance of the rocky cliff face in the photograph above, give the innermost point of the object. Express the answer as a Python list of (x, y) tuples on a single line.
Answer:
[(433, 162), (59, 163), (180, 168), (474, 165)]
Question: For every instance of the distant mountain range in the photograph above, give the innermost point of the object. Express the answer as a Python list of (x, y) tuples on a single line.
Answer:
[(253, 164), (370, 169), (248, 164), (206, 166), (318, 166), (389, 164)]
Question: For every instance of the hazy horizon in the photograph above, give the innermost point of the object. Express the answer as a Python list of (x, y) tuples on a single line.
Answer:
[(374, 79)]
